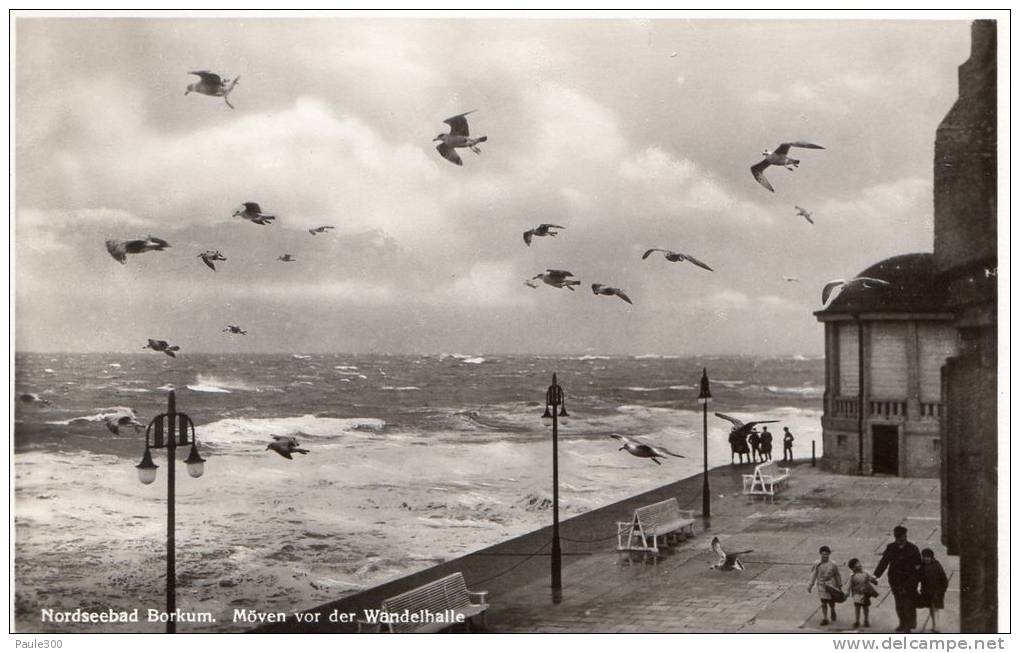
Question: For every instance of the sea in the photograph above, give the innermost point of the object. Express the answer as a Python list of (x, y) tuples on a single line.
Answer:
[(412, 460)]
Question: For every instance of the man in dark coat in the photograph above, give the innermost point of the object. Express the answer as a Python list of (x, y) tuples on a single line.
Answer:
[(754, 439), (904, 563)]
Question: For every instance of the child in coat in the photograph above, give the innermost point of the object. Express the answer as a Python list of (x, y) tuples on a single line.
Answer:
[(933, 585), (862, 588)]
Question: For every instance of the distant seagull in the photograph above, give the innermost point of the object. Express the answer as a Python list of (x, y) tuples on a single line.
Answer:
[(32, 398), (253, 212), (209, 256), (600, 289), (674, 55), (727, 561), (805, 214), (458, 137), (163, 346), (540, 230), (740, 428), (853, 284), (212, 84), (778, 158), (791, 279), (285, 446), (119, 249), (115, 422), (286, 258), (640, 449), (530, 284), (233, 328), (558, 279), (676, 257), (320, 230)]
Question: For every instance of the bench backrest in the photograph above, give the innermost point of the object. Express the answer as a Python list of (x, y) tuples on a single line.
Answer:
[(657, 514), (449, 592), (767, 469)]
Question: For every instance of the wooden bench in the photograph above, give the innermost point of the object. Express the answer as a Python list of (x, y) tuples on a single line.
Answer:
[(658, 520), (431, 603), (766, 479)]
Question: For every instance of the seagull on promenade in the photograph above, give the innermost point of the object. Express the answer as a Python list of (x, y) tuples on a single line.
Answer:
[(119, 249), (540, 230), (853, 284), (805, 214), (286, 258), (233, 328), (600, 289), (285, 446), (727, 561), (253, 212), (163, 346), (636, 447), (33, 398), (212, 84), (320, 230), (115, 422), (458, 137), (676, 257), (558, 279), (778, 158), (740, 428), (209, 256)]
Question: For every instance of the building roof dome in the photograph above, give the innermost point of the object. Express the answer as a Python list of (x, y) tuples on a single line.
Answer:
[(913, 289)]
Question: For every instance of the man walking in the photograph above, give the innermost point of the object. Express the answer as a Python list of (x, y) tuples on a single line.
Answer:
[(904, 563), (787, 445)]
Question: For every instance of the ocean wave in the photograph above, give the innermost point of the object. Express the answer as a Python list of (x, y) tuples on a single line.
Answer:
[(345, 367), (113, 365), (405, 387), (659, 388), (98, 417), (210, 383), (207, 388), (641, 357), (591, 357), (133, 390), (300, 357), (473, 361), (226, 432), (805, 391)]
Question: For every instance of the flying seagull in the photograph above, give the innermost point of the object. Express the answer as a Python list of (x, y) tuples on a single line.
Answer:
[(540, 230), (233, 328), (32, 398), (286, 258), (209, 256), (119, 249), (600, 289), (320, 230), (640, 449), (676, 257), (740, 428), (558, 279), (805, 214), (791, 278), (285, 446), (778, 158), (114, 422), (212, 84), (855, 283), (530, 284), (163, 346), (458, 137), (253, 212), (727, 561)]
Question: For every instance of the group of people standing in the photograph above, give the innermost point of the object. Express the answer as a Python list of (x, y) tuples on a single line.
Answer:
[(909, 570), (758, 446)]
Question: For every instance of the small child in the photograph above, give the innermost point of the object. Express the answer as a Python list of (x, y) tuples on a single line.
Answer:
[(861, 589), (826, 574), (933, 585)]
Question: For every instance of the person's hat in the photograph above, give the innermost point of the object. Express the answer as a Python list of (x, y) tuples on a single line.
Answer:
[(899, 530)]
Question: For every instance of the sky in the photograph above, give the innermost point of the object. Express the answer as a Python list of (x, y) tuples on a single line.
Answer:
[(631, 134)]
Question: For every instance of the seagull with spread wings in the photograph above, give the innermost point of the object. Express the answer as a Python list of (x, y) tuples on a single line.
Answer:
[(458, 137), (558, 279), (233, 328), (740, 428), (253, 213), (115, 422), (853, 284), (601, 289), (676, 257), (540, 230), (212, 84), (779, 157), (163, 346), (209, 256), (727, 561), (321, 230), (804, 213), (286, 258), (119, 249), (636, 447), (285, 445)]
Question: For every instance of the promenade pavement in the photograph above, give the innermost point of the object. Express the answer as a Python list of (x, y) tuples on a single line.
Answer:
[(677, 591)]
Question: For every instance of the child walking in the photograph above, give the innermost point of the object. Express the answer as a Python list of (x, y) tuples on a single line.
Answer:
[(862, 588), (933, 585), (826, 575)]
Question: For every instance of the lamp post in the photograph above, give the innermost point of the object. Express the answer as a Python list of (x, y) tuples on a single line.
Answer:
[(554, 409), (705, 398), (170, 430)]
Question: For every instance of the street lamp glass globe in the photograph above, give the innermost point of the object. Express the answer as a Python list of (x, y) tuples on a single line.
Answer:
[(146, 468), (547, 417), (195, 463)]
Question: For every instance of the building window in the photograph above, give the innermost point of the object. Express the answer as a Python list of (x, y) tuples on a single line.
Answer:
[(936, 444), (841, 440)]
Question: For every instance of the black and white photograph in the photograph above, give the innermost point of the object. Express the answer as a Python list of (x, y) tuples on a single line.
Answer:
[(503, 322)]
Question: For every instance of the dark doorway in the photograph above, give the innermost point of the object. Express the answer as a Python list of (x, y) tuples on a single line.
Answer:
[(885, 449)]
